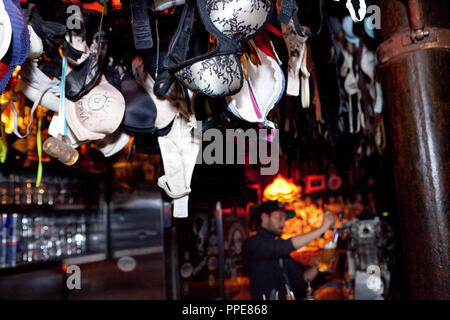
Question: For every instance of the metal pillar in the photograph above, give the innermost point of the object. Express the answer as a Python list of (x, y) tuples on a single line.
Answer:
[(414, 71)]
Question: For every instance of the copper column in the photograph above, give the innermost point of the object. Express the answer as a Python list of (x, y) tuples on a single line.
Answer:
[(414, 70)]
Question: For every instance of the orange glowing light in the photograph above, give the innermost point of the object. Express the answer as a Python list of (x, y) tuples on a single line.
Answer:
[(16, 71), (282, 190), (116, 4), (94, 6), (7, 119), (5, 98)]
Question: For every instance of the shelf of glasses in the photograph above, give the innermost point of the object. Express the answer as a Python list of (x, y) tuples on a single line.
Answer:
[(52, 263), (55, 207)]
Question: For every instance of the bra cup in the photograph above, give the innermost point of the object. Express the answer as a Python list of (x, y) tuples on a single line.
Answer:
[(97, 113), (104, 99), (140, 112), (351, 84), (236, 19), (368, 62), (368, 21), (347, 26), (215, 76), (267, 75), (219, 72)]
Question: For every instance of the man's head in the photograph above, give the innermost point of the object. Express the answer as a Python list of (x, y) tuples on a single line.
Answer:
[(273, 216)]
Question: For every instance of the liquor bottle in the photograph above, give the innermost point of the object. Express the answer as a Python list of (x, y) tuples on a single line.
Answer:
[(3, 239), (25, 237), (4, 190), (17, 182), (28, 192)]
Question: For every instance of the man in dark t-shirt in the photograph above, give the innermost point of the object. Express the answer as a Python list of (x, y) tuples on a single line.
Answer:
[(266, 255)]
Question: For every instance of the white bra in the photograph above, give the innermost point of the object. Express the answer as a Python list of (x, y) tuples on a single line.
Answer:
[(254, 102)]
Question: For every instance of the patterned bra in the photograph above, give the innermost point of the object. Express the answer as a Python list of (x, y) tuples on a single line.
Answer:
[(233, 22)]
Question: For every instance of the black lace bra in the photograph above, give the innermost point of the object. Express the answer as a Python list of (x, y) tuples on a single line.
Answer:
[(232, 22)]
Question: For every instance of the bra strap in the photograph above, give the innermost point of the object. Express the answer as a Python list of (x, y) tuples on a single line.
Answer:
[(179, 45), (289, 11)]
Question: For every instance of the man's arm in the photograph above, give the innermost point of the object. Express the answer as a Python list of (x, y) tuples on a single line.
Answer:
[(277, 248), (303, 239)]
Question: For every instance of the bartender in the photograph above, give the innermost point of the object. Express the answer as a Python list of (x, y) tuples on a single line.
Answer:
[(266, 256)]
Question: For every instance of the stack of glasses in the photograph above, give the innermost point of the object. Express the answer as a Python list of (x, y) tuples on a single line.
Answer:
[(20, 189), (29, 238)]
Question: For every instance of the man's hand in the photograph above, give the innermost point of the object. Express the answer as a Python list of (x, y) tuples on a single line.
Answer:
[(328, 221)]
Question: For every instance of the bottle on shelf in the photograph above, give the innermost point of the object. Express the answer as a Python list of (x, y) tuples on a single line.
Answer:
[(3, 239), (4, 190)]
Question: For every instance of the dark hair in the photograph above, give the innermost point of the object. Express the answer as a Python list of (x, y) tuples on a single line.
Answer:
[(259, 219), (267, 207)]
